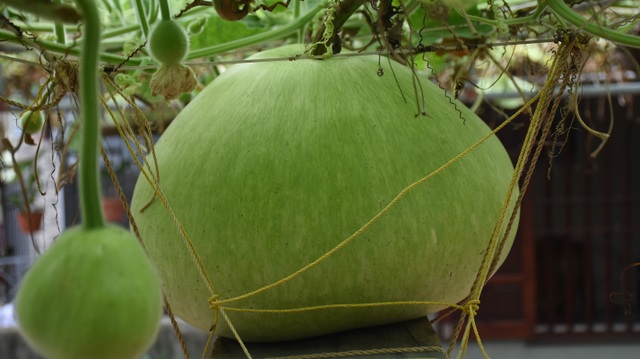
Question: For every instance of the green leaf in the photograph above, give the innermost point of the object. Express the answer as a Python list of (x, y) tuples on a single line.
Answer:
[(218, 31)]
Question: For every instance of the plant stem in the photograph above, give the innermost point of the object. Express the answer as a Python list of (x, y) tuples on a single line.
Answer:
[(51, 27), (153, 12), (509, 22), (164, 10), (343, 12), (286, 30), (280, 32), (61, 34), (118, 7), (296, 9), (107, 5), (89, 184), (564, 11), (58, 29), (142, 17), (62, 49)]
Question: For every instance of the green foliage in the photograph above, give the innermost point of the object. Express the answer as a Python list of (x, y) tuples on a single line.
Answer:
[(220, 31)]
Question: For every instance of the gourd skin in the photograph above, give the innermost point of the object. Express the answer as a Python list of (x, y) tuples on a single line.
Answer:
[(274, 164), (93, 294)]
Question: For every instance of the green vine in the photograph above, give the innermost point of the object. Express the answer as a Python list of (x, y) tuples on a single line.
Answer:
[(561, 9), (337, 15), (142, 18), (59, 30), (276, 33)]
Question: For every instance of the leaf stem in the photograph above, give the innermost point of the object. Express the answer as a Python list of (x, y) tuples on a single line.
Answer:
[(58, 29), (508, 22), (89, 184), (153, 12), (142, 18)]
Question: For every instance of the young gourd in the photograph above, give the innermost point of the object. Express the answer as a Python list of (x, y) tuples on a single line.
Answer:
[(93, 294), (31, 122), (169, 44)]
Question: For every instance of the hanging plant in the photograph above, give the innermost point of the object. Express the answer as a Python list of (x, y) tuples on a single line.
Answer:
[(94, 293)]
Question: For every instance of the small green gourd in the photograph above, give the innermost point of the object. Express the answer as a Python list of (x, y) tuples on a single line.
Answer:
[(168, 42), (31, 122)]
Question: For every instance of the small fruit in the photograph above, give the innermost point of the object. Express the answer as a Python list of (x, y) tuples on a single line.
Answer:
[(93, 294), (168, 42), (232, 10), (31, 122)]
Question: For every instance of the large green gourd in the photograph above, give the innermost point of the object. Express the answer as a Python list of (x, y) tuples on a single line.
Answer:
[(276, 163)]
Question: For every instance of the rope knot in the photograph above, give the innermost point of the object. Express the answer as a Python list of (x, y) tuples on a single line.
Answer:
[(472, 307), (213, 303)]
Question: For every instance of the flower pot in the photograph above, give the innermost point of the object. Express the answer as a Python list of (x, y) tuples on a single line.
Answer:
[(113, 209), (30, 223)]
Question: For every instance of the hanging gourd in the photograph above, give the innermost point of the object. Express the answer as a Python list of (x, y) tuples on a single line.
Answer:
[(275, 164), (94, 293)]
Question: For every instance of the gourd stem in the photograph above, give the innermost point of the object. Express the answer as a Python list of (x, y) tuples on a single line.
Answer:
[(164, 10), (343, 12), (89, 185)]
